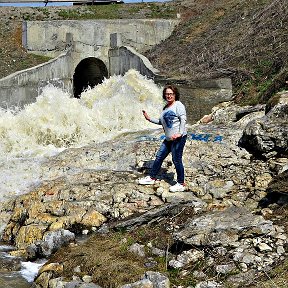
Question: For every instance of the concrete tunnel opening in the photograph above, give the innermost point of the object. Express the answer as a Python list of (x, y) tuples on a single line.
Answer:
[(89, 72)]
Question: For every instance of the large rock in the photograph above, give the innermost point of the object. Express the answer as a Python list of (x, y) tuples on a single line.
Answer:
[(268, 136), (52, 241), (250, 240), (223, 227)]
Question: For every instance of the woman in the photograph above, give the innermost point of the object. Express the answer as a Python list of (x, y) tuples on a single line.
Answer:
[(173, 121)]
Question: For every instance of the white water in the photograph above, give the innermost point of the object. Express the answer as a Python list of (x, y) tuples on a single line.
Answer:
[(30, 269), (57, 121)]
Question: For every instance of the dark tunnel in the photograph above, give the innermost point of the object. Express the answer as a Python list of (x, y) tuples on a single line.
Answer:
[(89, 72)]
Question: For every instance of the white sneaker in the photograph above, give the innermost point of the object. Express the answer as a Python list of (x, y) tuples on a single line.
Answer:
[(177, 188), (146, 181)]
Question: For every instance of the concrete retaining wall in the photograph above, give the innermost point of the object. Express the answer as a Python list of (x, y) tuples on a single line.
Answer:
[(91, 38), (124, 58), (24, 86), (84, 39), (50, 37)]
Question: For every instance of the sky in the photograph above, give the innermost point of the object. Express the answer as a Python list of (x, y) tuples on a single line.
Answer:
[(64, 3)]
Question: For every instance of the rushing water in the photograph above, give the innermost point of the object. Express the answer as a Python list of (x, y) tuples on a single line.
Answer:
[(57, 121), (15, 273)]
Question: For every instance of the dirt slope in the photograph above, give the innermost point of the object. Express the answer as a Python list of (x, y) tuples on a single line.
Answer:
[(242, 39)]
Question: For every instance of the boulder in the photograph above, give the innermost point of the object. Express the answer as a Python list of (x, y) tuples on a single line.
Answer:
[(52, 241), (223, 227), (267, 137)]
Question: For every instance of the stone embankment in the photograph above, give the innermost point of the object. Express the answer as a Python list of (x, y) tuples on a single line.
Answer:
[(95, 189)]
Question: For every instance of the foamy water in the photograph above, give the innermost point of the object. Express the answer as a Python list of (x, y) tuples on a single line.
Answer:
[(57, 121), (30, 269), (17, 278)]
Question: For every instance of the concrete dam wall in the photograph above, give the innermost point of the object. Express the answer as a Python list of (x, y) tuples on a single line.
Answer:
[(93, 36), (81, 54)]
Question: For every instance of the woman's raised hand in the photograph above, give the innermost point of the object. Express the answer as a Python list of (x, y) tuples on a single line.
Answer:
[(146, 115)]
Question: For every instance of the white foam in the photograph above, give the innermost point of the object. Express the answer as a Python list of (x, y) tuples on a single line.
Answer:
[(5, 247), (57, 120), (30, 269)]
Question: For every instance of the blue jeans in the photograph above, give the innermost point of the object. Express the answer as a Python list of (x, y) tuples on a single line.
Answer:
[(176, 147)]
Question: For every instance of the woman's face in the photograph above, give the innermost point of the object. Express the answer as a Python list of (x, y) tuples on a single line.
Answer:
[(169, 95)]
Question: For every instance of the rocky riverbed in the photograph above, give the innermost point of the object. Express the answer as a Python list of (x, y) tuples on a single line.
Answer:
[(226, 230)]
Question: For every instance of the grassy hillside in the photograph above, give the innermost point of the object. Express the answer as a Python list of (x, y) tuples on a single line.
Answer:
[(242, 39)]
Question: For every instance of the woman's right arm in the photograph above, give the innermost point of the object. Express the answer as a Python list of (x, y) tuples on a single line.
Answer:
[(152, 120)]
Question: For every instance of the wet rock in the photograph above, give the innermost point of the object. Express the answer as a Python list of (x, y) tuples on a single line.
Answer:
[(9, 264)]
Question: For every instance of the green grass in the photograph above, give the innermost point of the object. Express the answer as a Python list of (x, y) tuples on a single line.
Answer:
[(141, 10), (32, 60), (98, 12)]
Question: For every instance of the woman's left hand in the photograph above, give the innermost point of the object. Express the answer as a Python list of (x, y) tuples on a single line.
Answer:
[(175, 136)]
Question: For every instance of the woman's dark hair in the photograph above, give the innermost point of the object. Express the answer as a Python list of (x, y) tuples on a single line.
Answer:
[(174, 89)]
